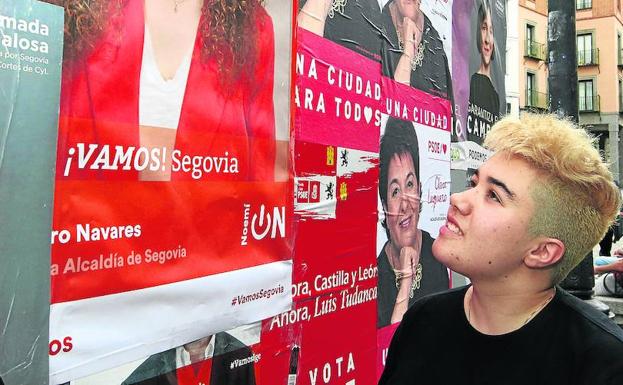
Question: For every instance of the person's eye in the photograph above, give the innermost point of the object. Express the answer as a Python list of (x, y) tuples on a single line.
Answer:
[(494, 196), (394, 192), (410, 184), (471, 183)]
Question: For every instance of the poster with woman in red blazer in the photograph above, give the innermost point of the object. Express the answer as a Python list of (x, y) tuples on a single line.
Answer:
[(168, 193)]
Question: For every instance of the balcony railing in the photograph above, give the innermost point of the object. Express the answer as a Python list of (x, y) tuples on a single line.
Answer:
[(583, 4), (588, 104), (536, 100), (534, 50), (588, 57)]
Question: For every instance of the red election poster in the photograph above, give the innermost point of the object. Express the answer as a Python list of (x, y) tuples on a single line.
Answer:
[(171, 218), (338, 99)]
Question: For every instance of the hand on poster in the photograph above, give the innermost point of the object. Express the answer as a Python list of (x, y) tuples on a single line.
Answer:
[(412, 36), (405, 276)]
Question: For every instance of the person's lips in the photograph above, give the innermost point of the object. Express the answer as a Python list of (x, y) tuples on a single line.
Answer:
[(451, 227), (405, 222), (454, 228)]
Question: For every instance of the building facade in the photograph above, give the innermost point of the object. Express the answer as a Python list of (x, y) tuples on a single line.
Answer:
[(599, 44), (512, 58)]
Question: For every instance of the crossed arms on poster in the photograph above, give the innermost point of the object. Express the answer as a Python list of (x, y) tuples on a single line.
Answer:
[(408, 19)]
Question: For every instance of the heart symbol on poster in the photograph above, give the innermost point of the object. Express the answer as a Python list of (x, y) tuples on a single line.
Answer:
[(367, 113), (444, 147)]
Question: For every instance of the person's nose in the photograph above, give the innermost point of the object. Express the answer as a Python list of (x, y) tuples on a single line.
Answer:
[(404, 202), (462, 201), (408, 201)]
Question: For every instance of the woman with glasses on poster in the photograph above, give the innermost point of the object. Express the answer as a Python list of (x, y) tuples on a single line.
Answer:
[(412, 51), (407, 269), (190, 75)]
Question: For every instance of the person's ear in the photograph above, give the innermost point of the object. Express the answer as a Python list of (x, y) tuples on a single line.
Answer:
[(545, 252)]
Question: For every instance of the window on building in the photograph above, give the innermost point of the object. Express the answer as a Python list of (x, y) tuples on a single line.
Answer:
[(530, 40), (533, 49), (586, 101), (620, 95), (530, 90), (585, 49), (583, 4), (529, 33)]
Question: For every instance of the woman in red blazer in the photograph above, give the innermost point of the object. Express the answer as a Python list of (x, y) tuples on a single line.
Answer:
[(226, 124)]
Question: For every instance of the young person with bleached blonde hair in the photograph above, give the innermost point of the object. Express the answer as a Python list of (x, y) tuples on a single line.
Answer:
[(535, 209)]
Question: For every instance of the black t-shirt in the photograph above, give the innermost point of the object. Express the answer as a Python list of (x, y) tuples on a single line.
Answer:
[(484, 107), (356, 28), (434, 279), (567, 343)]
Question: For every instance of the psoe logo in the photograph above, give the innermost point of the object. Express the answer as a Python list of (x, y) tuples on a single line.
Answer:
[(263, 223), (308, 191), (437, 147)]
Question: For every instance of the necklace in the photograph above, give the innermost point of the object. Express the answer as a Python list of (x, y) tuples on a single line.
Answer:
[(530, 317), (417, 279), (337, 6), (176, 3), (417, 59)]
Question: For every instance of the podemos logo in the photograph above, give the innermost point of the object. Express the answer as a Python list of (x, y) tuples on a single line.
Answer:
[(262, 223)]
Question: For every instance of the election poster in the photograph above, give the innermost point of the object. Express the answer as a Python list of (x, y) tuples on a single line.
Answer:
[(347, 100), (338, 100), (413, 199), (414, 158), (172, 219), (481, 51), (353, 24), (230, 357), (416, 49), (31, 47), (223, 195)]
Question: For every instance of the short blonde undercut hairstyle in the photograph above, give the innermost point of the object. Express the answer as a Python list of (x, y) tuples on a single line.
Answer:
[(575, 198)]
